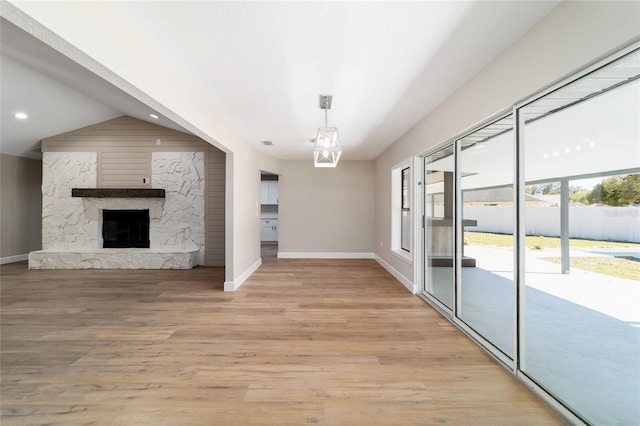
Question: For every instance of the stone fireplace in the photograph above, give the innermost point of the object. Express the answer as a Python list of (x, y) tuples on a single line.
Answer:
[(73, 227)]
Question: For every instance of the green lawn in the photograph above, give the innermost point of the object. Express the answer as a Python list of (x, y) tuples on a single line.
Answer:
[(609, 265), (538, 242)]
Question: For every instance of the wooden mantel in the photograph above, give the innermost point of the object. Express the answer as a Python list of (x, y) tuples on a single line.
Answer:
[(118, 192)]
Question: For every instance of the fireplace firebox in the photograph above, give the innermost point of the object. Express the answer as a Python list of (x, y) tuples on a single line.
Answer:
[(125, 228)]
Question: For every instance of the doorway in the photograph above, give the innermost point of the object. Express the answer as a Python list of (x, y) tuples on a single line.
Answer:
[(269, 221)]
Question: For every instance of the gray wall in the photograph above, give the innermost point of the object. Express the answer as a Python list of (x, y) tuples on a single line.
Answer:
[(20, 206), (325, 210)]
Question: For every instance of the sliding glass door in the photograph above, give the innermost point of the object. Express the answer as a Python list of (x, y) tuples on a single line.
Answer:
[(532, 240), (580, 333), (439, 225), (486, 285)]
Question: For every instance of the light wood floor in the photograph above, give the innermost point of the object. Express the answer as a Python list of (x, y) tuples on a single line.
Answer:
[(321, 342)]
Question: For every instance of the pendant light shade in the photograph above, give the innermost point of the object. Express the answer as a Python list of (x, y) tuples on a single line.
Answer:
[(327, 149)]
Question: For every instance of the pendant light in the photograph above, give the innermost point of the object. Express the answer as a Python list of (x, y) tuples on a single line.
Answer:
[(327, 149)]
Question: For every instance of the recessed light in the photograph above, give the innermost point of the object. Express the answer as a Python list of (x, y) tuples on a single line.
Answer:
[(154, 116), (20, 115)]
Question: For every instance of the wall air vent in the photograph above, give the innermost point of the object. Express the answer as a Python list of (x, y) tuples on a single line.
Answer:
[(267, 143)]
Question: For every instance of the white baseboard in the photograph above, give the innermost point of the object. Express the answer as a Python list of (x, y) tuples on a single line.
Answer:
[(235, 284), (397, 275), (324, 255), (13, 259)]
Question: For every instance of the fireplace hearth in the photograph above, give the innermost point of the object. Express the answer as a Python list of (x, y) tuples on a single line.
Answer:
[(125, 228)]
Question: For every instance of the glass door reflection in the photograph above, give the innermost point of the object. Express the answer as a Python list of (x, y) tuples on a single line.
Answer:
[(487, 281), (439, 225)]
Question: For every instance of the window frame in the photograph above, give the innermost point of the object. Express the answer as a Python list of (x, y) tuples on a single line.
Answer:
[(398, 202), (405, 206)]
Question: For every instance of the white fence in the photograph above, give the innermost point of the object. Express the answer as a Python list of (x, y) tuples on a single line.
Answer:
[(594, 223)]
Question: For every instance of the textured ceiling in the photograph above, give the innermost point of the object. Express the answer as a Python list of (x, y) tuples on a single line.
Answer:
[(263, 64)]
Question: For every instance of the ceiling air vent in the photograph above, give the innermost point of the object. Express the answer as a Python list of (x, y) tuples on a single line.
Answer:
[(267, 143)]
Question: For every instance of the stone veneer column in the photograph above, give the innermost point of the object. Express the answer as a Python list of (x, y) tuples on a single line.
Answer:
[(182, 176), (65, 224)]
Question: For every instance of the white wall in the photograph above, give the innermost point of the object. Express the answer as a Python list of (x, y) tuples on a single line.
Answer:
[(326, 212), (243, 211), (572, 36), (594, 223)]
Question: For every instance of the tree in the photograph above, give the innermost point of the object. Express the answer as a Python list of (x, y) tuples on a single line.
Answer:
[(630, 190), (616, 191), (580, 196), (611, 191)]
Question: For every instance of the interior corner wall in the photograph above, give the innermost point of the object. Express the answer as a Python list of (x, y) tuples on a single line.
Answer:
[(20, 206), (242, 217), (572, 36), (326, 211)]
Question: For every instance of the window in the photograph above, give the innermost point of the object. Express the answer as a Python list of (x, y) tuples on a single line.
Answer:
[(405, 221), (401, 210)]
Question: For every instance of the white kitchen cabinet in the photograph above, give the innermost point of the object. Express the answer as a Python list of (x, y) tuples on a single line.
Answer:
[(269, 230), (269, 192)]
